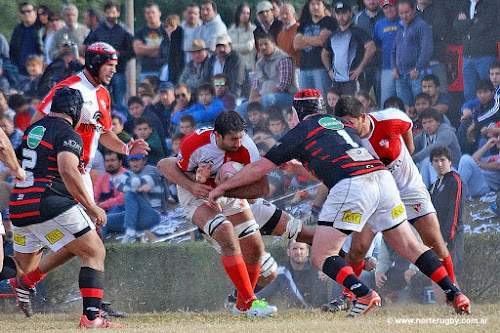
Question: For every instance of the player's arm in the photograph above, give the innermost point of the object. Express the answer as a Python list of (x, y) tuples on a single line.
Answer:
[(257, 189), (133, 147), (408, 139), (8, 157), (67, 163)]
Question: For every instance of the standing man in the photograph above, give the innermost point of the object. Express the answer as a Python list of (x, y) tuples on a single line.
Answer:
[(411, 52), (362, 192), (26, 39), (189, 25), (288, 32), (92, 18), (266, 23), (312, 34), (117, 35), (212, 26), (53, 155), (348, 50), (148, 39)]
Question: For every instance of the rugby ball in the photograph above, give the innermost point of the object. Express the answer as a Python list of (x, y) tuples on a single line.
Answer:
[(227, 170)]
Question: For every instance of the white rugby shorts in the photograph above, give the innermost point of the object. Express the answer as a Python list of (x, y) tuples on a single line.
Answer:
[(262, 211), (371, 199), (417, 200)]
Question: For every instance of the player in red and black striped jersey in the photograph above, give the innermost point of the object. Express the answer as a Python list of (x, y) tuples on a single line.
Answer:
[(363, 193)]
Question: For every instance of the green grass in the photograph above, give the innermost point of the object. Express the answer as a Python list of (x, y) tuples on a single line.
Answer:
[(379, 320)]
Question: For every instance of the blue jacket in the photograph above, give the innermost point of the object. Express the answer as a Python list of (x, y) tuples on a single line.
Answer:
[(203, 117), (412, 47), (383, 36)]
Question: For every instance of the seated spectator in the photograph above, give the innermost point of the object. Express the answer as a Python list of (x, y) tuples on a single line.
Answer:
[(441, 101), (368, 102), (207, 108), (332, 97), (142, 189), (183, 100), (448, 196), (15, 135), (117, 123), (187, 124), (4, 106), (165, 105), (34, 67), (298, 281), (144, 130), (153, 81), (176, 143), (194, 71), (395, 102), (422, 102), (146, 92), (481, 174), (434, 134), (223, 91), (228, 62), (276, 124), (255, 118), (106, 194), (138, 109), (24, 112)]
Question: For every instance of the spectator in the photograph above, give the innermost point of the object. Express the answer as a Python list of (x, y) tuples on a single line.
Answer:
[(189, 25), (176, 143), (165, 105), (448, 196), (24, 112), (332, 97), (34, 67), (422, 102), (55, 24), (144, 130), (368, 102), (148, 39), (298, 281), (212, 26), (117, 35), (287, 34), (4, 58), (228, 62), (144, 88), (171, 50), (187, 124), (69, 38), (207, 108), (344, 62), (276, 8), (441, 101), (481, 174), (384, 33), (117, 127), (255, 118), (142, 189), (92, 18), (42, 19), (396, 102), (476, 23), (241, 33), (435, 134), (4, 106), (15, 135), (312, 34), (411, 52), (266, 23), (138, 109), (106, 194), (26, 39), (222, 90), (194, 71), (182, 98), (276, 124)]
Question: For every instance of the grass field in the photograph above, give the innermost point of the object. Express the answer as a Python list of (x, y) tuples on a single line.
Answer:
[(387, 319)]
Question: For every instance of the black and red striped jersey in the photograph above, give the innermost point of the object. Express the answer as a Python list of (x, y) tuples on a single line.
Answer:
[(328, 147), (43, 195)]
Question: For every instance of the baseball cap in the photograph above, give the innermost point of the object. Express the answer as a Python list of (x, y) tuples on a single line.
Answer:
[(223, 40), (342, 6), (263, 6), (388, 2), (136, 156), (164, 86)]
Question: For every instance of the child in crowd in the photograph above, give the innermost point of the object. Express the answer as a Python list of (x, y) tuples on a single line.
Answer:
[(34, 67), (187, 124), (276, 124), (255, 118), (368, 102), (176, 143), (422, 102), (24, 112), (332, 97), (144, 130)]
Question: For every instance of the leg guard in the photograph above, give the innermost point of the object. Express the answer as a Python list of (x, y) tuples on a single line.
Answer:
[(212, 225), (268, 265), (293, 227), (246, 229)]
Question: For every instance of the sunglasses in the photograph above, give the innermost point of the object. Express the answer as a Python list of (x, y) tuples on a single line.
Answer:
[(219, 83), (180, 95)]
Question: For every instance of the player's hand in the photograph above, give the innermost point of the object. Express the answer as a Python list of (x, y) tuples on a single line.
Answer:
[(380, 279), (292, 166), (98, 215), (200, 190), (215, 194), (203, 172), (134, 147), (19, 175), (408, 274)]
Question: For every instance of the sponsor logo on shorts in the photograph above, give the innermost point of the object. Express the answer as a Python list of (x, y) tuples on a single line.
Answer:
[(417, 207), (331, 123), (35, 136), (54, 236), (396, 212), (351, 217), (19, 240)]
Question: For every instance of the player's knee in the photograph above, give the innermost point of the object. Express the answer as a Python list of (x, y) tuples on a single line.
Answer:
[(246, 229), (211, 226)]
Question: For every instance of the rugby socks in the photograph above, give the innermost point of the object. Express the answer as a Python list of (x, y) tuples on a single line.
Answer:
[(237, 271), (357, 269), (9, 269), (429, 264), (253, 274), (448, 265), (91, 284), (33, 277), (339, 270)]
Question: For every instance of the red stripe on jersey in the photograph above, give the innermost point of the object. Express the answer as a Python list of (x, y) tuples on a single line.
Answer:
[(340, 158), (457, 204), (189, 144), (24, 202), (343, 274), (314, 132), (349, 125), (53, 169), (46, 144), (18, 216), (25, 137), (348, 165), (316, 152), (42, 180), (360, 172), (52, 158), (104, 101), (91, 292), (312, 143), (27, 190), (325, 157)]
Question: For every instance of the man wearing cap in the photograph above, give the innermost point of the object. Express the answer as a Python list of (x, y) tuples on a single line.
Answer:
[(311, 36), (212, 25), (411, 52), (165, 106), (228, 62), (348, 50), (194, 71), (266, 23), (384, 33)]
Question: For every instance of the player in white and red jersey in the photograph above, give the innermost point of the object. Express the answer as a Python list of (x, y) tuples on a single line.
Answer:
[(387, 134), (230, 222)]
